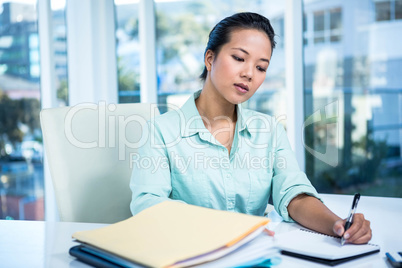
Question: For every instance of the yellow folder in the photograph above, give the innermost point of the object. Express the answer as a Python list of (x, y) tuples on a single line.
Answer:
[(169, 233)]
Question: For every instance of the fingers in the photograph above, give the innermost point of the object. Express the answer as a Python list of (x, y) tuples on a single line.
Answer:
[(359, 232), (269, 232), (338, 227)]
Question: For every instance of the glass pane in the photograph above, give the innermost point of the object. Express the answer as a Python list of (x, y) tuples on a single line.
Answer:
[(21, 167), (278, 24), (335, 19), (319, 39), (60, 49), (305, 29), (271, 97), (335, 25), (382, 11), (398, 9), (335, 38), (319, 21), (128, 51), (182, 33), (353, 106), (319, 27)]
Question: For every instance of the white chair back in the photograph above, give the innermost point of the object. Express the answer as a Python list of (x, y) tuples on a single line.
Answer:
[(88, 148)]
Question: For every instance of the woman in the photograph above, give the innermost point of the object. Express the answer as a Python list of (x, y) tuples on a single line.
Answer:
[(213, 153)]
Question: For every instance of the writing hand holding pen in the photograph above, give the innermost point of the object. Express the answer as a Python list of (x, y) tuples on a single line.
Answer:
[(355, 229), (349, 220)]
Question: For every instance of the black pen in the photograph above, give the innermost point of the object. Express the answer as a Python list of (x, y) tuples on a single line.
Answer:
[(349, 221)]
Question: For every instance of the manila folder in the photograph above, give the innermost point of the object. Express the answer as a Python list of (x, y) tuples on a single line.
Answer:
[(171, 232)]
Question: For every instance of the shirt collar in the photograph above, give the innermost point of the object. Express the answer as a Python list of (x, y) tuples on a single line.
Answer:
[(193, 122), (241, 119)]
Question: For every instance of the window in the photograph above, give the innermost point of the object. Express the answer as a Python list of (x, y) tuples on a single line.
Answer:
[(382, 10), (182, 29), (60, 50), (21, 149), (278, 23), (398, 9), (351, 84), (305, 30), (327, 26), (335, 25), (181, 37), (21, 167), (128, 51), (34, 55), (319, 27), (386, 10), (353, 93)]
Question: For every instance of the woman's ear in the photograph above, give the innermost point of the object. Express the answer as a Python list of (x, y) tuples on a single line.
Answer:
[(209, 59)]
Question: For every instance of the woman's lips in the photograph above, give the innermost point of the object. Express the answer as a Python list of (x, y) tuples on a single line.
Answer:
[(241, 87)]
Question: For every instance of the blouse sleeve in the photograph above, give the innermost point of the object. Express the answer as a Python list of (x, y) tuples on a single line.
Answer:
[(150, 180), (288, 180)]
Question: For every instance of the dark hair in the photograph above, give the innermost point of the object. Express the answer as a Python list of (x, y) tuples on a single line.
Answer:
[(220, 34)]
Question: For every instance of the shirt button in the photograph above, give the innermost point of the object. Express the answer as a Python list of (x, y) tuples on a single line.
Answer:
[(228, 176)]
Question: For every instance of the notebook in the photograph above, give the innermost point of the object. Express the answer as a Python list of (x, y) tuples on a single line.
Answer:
[(171, 234), (306, 244)]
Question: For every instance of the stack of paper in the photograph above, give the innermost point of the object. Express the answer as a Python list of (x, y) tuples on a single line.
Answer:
[(173, 234)]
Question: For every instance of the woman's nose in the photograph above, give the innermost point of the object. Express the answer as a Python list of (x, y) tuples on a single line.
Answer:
[(247, 72)]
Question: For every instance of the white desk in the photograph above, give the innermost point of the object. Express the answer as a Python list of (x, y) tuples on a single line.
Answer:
[(46, 244)]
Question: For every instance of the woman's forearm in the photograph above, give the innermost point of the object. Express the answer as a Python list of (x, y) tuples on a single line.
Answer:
[(313, 214)]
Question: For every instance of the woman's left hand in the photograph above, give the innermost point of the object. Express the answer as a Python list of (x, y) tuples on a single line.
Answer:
[(358, 233)]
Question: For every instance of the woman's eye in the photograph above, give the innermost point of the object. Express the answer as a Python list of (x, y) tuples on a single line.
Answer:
[(237, 58), (261, 69)]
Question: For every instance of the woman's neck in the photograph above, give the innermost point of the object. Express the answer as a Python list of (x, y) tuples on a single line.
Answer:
[(214, 107)]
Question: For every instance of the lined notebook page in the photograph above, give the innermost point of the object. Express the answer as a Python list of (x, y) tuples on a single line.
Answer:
[(318, 245)]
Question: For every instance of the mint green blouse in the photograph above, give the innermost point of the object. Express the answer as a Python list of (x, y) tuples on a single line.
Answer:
[(181, 160)]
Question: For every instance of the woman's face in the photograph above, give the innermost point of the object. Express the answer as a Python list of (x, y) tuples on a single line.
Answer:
[(240, 66)]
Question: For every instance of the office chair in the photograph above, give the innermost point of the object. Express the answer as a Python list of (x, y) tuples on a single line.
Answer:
[(88, 148)]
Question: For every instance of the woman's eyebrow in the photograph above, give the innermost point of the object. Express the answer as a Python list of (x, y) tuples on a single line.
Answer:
[(239, 48), (245, 51)]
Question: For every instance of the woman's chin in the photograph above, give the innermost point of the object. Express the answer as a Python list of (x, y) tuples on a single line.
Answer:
[(239, 99)]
